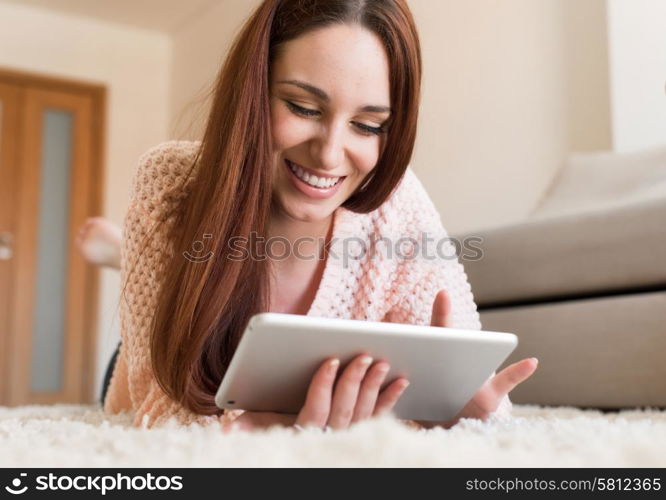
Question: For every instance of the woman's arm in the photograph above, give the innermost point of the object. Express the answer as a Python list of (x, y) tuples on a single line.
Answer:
[(156, 186)]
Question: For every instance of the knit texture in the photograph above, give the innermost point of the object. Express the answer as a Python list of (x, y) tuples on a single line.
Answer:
[(386, 265)]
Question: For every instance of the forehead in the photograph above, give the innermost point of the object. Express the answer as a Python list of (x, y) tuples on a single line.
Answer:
[(348, 62)]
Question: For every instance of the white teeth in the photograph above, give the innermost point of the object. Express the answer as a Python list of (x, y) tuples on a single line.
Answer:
[(313, 180)]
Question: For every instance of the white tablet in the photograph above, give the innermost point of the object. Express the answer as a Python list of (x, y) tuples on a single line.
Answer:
[(279, 353)]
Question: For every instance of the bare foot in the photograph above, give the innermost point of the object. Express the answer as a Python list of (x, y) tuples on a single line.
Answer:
[(99, 242)]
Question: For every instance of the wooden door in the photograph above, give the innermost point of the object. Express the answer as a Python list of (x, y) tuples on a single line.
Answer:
[(50, 171), (9, 119)]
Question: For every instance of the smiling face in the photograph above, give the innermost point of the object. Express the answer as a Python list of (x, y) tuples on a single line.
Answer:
[(330, 101)]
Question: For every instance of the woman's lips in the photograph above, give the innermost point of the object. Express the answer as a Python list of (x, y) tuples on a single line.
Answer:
[(311, 191)]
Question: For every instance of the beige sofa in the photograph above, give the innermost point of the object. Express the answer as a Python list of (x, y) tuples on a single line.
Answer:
[(582, 282)]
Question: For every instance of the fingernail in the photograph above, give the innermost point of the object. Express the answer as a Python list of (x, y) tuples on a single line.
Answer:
[(333, 364), (383, 368), (365, 361), (404, 384), (535, 360)]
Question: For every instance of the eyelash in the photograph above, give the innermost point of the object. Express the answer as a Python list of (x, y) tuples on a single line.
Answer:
[(299, 110)]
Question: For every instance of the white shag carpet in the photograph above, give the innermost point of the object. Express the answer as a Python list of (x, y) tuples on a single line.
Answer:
[(83, 436)]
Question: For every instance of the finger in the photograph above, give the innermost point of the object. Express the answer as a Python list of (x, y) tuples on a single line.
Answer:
[(265, 419), (317, 405), (367, 398), (389, 396), (441, 310), (506, 380), (226, 426), (250, 420), (346, 392), (488, 398)]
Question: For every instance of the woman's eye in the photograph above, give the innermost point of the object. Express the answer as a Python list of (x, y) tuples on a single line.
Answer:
[(370, 130), (299, 110), (365, 129)]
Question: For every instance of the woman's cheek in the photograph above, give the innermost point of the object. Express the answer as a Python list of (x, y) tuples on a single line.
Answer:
[(288, 131), (368, 158), (278, 127)]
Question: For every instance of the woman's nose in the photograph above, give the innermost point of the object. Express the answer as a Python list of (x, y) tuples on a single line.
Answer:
[(329, 147)]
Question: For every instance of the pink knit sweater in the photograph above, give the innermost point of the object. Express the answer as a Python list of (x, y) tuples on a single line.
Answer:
[(382, 286)]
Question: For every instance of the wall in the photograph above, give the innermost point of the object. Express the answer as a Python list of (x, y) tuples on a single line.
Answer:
[(586, 74), (510, 87), (134, 65), (494, 113), (637, 41), (199, 49)]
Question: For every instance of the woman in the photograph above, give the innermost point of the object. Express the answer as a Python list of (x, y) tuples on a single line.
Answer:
[(309, 137)]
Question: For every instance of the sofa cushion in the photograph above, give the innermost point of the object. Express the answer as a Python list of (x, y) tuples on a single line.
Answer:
[(603, 352), (595, 251), (605, 180)]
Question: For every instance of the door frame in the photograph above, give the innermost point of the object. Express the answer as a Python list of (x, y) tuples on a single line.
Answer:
[(9, 145), (98, 94)]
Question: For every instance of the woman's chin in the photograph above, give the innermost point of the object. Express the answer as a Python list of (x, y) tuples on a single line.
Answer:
[(307, 213)]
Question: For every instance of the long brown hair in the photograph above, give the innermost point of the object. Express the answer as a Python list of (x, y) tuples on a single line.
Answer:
[(203, 308)]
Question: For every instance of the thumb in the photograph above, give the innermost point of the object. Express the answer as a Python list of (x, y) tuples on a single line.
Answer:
[(441, 310)]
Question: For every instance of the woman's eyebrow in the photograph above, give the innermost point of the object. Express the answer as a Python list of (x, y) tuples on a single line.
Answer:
[(324, 96)]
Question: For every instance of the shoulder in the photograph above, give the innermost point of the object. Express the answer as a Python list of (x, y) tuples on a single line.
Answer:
[(410, 207), (409, 190), (163, 169)]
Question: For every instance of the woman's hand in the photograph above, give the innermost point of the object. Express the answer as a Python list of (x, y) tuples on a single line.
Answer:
[(488, 398), (356, 396)]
